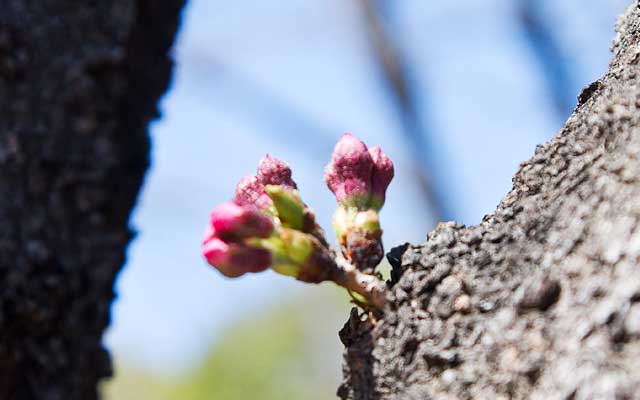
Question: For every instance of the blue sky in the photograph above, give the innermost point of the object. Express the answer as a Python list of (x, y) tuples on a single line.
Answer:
[(288, 78)]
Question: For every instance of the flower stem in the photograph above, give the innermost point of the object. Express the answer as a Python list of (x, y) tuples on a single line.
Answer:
[(368, 286)]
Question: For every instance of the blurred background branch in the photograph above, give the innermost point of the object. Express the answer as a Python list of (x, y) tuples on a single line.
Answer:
[(281, 119), (549, 56), (418, 135)]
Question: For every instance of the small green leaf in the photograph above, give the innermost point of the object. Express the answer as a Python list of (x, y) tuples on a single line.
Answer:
[(286, 269)]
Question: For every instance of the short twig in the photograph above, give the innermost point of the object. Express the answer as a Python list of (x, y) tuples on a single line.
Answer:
[(368, 286)]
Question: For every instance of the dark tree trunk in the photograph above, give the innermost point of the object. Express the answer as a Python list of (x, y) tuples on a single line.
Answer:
[(79, 83), (542, 299)]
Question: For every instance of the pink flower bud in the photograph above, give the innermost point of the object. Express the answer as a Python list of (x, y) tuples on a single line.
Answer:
[(235, 259), (218, 254), (272, 171), (356, 191), (251, 259), (333, 182), (230, 220), (250, 191), (382, 176), (348, 175), (351, 159)]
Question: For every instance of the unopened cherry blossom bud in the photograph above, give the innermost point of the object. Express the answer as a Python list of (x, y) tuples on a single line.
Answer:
[(272, 171), (230, 220), (250, 191), (381, 177), (235, 259), (348, 175), (359, 178)]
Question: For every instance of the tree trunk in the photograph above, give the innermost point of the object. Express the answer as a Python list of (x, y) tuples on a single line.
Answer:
[(79, 83), (542, 299)]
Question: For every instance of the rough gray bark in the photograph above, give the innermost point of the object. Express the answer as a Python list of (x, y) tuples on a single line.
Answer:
[(79, 83), (542, 299)]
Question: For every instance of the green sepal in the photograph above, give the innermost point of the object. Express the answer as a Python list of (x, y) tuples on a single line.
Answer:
[(359, 201), (288, 205), (290, 250), (349, 220), (279, 250), (286, 269), (273, 244), (341, 222), (298, 246), (376, 203), (367, 221)]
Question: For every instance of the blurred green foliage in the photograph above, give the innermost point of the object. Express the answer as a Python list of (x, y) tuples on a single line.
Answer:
[(260, 359), (288, 352)]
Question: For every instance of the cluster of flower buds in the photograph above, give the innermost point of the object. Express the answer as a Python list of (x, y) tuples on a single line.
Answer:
[(227, 240), (359, 177), (267, 225)]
